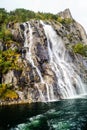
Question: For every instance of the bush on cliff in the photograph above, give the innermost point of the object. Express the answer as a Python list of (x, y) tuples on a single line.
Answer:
[(64, 20), (80, 48), (6, 93), (8, 60)]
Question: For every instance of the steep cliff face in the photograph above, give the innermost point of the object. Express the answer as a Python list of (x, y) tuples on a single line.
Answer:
[(34, 78)]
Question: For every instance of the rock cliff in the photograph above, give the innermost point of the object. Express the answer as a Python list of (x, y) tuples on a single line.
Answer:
[(24, 83)]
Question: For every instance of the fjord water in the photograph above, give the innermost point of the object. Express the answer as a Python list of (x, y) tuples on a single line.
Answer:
[(70, 114)]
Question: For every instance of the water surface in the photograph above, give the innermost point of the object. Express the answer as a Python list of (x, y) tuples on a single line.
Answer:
[(68, 114)]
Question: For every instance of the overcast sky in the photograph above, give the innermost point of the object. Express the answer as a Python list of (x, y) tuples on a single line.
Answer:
[(78, 8)]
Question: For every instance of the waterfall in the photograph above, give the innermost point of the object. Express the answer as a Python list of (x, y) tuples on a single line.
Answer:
[(68, 81), (29, 56)]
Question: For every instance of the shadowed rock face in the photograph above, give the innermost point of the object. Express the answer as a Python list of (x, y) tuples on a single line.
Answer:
[(36, 81)]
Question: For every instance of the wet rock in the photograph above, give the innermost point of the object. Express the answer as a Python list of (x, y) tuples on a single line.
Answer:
[(42, 53), (22, 27)]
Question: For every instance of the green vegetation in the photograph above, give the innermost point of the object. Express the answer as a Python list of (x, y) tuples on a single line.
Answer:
[(80, 48), (8, 60), (6, 93), (69, 36), (23, 15), (64, 21), (5, 35)]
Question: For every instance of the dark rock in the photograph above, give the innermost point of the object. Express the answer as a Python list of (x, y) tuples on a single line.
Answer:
[(17, 73), (25, 49), (17, 36), (42, 53), (22, 81), (22, 27)]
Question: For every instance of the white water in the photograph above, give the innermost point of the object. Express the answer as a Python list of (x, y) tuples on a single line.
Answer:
[(68, 81), (29, 56)]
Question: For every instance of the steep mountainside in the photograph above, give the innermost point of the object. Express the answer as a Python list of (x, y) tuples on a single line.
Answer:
[(44, 60)]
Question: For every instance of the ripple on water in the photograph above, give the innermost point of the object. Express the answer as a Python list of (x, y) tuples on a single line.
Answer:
[(63, 115)]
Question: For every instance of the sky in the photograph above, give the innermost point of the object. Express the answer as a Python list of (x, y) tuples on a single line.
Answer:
[(78, 8)]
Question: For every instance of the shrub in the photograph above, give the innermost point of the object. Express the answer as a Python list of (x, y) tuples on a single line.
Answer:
[(60, 19), (64, 20), (6, 93), (10, 94), (68, 21), (69, 36), (7, 35), (80, 48), (8, 60)]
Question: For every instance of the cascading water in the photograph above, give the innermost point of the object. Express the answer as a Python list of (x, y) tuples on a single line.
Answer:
[(28, 44), (68, 81)]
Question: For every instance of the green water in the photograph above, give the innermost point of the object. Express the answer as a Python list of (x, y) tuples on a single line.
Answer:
[(62, 115)]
